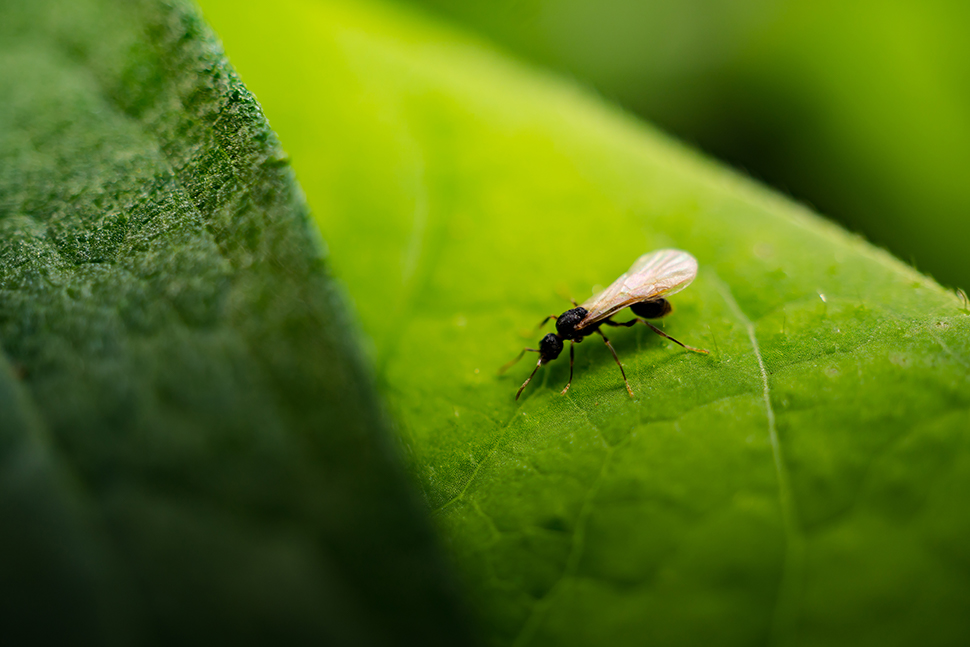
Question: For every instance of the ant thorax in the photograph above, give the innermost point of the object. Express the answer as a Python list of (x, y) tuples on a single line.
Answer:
[(567, 322)]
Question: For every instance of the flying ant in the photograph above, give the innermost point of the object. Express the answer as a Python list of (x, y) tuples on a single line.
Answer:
[(643, 288)]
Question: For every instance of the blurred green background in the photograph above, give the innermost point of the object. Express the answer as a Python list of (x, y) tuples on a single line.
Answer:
[(860, 109)]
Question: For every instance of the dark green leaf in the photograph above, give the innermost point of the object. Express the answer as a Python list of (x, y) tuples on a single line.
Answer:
[(189, 447)]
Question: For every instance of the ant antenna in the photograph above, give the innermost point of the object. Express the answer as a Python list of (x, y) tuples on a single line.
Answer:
[(509, 365), (553, 317), (524, 384)]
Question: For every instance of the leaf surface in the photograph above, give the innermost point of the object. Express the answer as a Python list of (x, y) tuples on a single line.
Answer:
[(190, 450), (805, 483)]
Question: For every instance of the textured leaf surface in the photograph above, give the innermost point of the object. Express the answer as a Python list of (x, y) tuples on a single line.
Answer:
[(189, 451), (804, 484)]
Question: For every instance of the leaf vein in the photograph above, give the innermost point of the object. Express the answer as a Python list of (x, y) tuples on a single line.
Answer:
[(478, 467), (785, 609), (576, 548)]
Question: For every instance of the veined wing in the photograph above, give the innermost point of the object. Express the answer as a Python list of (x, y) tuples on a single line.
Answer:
[(653, 276)]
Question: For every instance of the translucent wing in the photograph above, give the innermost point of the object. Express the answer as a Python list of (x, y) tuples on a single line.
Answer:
[(653, 276)]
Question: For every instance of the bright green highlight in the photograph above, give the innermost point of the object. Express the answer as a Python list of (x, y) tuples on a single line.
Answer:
[(804, 483)]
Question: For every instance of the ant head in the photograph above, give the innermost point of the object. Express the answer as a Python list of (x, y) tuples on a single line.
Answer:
[(549, 347), (567, 322)]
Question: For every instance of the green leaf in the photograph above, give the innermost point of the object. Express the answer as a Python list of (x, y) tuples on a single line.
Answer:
[(190, 451), (806, 482)]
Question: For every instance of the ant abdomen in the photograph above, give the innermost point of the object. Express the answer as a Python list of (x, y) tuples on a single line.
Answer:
[(652, 309)]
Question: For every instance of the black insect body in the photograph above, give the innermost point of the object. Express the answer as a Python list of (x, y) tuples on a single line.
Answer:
[(643, 288)]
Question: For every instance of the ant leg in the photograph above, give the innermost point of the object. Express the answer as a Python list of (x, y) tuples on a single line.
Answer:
[(619, 324), (572, 344), (509, 365), (529, 379), (663, 334), (544, 321), (622, 372)]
